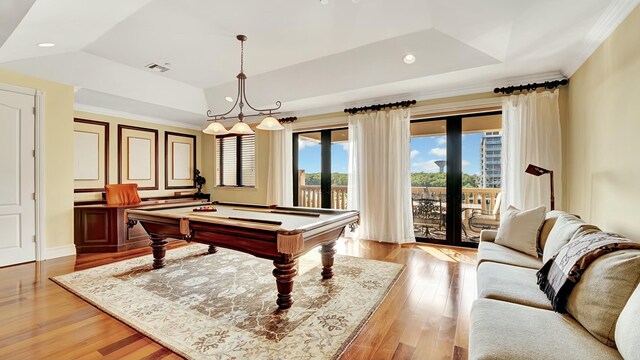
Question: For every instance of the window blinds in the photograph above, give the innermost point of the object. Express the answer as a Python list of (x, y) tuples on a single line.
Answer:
[(248, 160), (235, 160)]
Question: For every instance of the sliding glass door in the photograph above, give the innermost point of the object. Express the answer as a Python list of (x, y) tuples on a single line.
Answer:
[(455, 177), (429, 179), (320, 164), (455, 174)]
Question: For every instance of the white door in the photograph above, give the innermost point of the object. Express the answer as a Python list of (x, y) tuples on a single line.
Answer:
[(17, 184)]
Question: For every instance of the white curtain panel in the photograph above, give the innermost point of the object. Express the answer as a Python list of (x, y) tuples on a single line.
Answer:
[(280, 183), (531, 135), (380, 175)]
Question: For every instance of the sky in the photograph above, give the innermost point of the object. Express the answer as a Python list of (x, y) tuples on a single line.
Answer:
[(424, 151)]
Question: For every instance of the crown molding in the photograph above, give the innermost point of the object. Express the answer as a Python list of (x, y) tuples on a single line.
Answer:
[(613, 16), (131, 116)]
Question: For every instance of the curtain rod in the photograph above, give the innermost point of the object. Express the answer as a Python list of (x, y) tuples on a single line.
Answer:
[(379, 107), (289, 119), (528, 87)]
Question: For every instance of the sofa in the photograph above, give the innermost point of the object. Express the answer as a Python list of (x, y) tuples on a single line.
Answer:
[(513, 319)]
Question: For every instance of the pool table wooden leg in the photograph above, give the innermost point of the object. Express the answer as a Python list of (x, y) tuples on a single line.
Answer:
[(159, 246), (284, 273), (327, 252)]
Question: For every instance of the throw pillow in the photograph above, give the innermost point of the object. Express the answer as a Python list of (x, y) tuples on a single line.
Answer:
[(549, 220), (602, 292), (566, 226), (627, 329), (519, 229)]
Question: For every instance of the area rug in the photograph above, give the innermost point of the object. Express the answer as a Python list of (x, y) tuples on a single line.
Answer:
[(222, 306)]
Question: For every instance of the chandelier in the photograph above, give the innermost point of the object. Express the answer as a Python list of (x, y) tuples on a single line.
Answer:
[(241, 128)]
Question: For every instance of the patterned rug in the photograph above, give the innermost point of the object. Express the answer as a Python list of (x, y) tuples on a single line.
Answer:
[(222, 306)]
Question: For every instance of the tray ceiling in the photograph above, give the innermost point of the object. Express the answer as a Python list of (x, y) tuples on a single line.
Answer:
[(312, 57)]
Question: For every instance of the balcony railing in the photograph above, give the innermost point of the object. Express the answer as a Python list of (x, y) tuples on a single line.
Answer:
[(310, 196)]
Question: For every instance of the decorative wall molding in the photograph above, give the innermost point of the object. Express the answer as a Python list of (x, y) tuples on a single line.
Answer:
[(170, 139), (617, 11), (125, 134), (105, 161), (131, 116)]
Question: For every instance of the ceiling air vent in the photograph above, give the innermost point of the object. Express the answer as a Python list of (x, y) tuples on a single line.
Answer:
[(158, 67)]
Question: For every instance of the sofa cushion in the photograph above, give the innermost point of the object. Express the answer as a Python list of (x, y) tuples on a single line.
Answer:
[(566, 226), (490, 251), (519, 229), (549, 221), (603, 290), (510, 283), (627, 329), (502, 330)]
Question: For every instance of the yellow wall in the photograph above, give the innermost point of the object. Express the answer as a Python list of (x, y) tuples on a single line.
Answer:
[(58, 155), (603, 131), (113, 151)]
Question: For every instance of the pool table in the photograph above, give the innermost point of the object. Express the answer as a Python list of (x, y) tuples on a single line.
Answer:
[(280, 234)]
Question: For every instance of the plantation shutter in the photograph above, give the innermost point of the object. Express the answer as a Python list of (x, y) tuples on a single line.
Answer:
[(236, 160)]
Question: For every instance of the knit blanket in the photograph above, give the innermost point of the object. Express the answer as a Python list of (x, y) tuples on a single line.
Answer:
[(560, 274)]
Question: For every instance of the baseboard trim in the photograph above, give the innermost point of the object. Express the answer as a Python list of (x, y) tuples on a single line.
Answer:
[(60, 251)]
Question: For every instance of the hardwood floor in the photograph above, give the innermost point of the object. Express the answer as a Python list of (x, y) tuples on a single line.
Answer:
[(425, 316)]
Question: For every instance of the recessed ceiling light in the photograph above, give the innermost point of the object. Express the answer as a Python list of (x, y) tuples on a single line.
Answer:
[(409, 59), (47, 44), (229, 99), (324, 2)]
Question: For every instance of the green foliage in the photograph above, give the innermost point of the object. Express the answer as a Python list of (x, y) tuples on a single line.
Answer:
[(440, 180), (417, 179), (338, 179)]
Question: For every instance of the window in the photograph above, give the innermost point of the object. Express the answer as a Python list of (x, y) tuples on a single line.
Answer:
[(236, 160)]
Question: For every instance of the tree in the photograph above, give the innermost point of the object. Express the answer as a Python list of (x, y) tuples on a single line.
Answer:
[(421, 179)]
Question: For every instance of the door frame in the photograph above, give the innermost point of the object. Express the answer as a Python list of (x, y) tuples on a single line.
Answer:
[(454, 134), (39, 144)]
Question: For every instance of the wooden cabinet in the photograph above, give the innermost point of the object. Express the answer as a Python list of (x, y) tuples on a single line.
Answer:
[(104, 228)]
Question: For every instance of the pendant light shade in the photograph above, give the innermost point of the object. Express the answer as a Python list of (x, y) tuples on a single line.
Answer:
[(270, 123), (215, 128), (241, 128)]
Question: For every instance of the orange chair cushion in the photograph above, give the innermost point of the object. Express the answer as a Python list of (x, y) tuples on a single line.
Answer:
[(120, 194)]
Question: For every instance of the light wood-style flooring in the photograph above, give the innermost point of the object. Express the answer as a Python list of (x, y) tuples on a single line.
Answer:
[(425, 316)]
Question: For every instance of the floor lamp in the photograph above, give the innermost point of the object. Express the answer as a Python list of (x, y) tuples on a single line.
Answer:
[(537, 171)]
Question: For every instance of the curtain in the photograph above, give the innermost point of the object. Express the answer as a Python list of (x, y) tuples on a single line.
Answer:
[(531, 135), (380, 175), (280, 183)]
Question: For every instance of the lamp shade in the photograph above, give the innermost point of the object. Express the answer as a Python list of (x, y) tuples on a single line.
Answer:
[(241, 128), (536, 170), (215, 128), (270, 123)]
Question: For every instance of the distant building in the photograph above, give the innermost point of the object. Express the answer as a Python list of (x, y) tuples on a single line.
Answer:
[(490, 159)]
